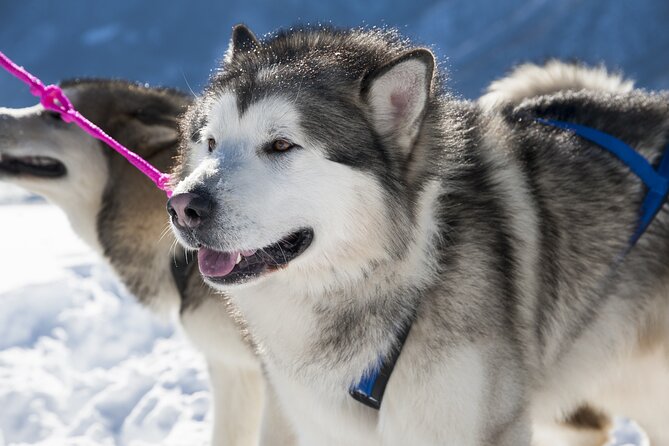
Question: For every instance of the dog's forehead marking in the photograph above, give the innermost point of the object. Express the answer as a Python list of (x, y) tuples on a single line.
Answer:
[(270, 116), (235, 133)]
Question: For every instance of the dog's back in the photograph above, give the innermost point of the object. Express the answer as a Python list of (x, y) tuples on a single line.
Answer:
[(589, 203)]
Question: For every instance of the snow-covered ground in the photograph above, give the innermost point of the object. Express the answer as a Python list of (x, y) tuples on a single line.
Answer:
[(81, 363)]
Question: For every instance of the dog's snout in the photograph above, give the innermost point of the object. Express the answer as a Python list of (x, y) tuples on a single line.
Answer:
[(189, 210)]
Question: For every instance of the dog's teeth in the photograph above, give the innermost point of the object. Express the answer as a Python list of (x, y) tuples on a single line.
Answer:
[(239, 259)]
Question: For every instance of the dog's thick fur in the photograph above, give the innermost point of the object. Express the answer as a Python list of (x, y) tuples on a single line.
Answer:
[(498, 233), (530, 80), (121, 215)]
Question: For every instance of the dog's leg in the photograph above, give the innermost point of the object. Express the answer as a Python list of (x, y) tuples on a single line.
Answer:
[(276, 429), (585, 427), (559, 434), (238, 400), (640, 391), (656, 421), (646, 395), (475, 396)]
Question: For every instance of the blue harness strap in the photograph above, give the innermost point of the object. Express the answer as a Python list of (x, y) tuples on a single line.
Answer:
[(657, 181), (371, 387)]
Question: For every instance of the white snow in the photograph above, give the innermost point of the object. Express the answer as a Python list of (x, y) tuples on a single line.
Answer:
[(81, 363)]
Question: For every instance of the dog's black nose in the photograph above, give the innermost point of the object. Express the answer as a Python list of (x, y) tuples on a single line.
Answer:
[(188, 210)]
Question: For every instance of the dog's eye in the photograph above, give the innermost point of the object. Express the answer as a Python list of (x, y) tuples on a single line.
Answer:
[(211, 143), (281, 145)]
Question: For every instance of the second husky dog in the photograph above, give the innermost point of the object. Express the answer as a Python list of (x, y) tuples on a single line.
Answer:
[(358, 216), (121, 214)]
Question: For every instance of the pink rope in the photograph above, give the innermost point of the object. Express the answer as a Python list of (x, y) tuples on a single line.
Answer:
[(53, 98)]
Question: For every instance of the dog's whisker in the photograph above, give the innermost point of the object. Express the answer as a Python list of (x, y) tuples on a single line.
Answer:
[(285, 259), (183, 73), (164, 233)]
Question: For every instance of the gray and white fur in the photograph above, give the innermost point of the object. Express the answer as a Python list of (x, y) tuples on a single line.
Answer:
[(626, 392), (531, 80), (498, 233), (121, 214)]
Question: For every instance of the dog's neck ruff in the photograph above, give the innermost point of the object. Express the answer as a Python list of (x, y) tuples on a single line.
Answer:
[(53, 98), (369, 390)]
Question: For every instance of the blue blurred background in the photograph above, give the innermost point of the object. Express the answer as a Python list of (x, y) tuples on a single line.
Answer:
[(177, 43)]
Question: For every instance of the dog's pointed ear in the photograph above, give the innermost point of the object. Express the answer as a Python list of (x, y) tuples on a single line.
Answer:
[(154, 136), (148, 134), (397, 94), (242, 40), (152, 124)]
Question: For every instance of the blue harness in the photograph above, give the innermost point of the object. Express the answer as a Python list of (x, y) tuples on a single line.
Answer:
[(371, 387)]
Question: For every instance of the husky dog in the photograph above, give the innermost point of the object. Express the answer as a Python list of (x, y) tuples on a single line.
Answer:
[(121, 215), (341, 198)]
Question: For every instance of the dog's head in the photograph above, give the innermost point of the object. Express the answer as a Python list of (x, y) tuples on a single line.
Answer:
[(41, 153), (299, 154)]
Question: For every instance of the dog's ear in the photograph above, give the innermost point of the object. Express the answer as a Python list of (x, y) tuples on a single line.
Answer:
[(397, 94), (242, 40), (150, 122), (153, 134)]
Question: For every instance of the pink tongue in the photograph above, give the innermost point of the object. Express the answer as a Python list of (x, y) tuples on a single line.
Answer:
[(214, 263)]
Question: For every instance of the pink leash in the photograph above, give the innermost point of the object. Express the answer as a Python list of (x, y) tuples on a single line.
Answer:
[(53, 98)]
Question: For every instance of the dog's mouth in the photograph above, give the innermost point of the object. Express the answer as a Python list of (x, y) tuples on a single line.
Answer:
[(243, 266), (36, 166)]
